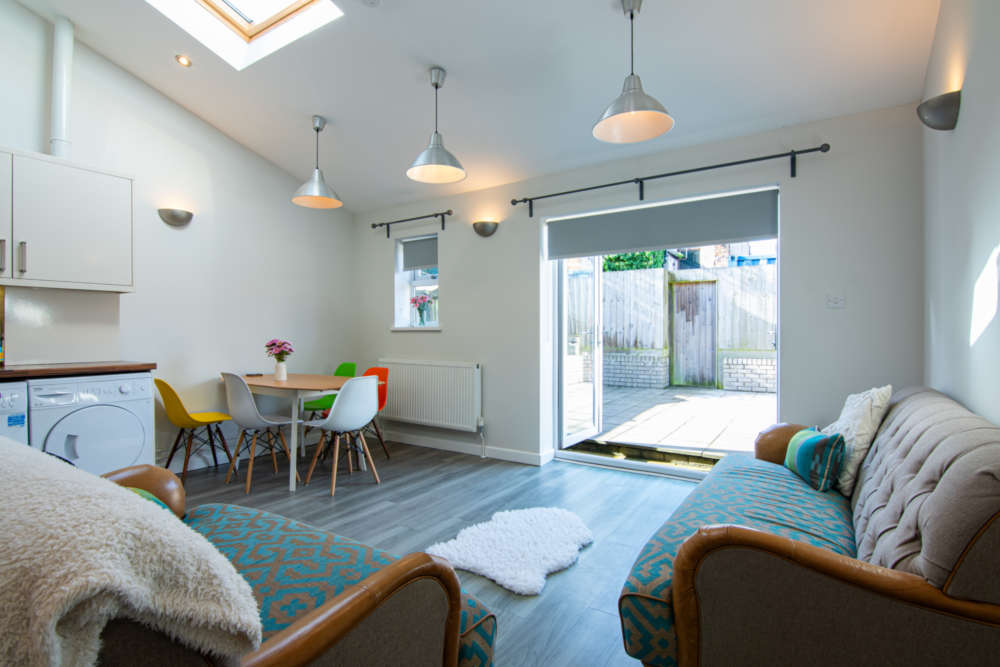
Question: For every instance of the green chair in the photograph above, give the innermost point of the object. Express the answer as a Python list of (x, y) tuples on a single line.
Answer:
[(324, 403)]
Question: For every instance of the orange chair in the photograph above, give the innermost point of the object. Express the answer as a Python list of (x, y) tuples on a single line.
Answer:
[(383, 394), (189, 423)]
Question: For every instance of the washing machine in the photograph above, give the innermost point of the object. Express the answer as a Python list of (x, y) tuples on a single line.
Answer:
[(98, 422)]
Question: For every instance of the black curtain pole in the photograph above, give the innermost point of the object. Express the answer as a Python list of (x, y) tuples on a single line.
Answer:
[(388, 225), (641, 182)]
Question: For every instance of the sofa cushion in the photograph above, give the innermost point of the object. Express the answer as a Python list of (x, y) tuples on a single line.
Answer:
[(739, 490), (930, 483), (294, 568), (815, 457)]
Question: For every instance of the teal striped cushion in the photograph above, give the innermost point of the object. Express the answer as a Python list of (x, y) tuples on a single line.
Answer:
[(816, 457)]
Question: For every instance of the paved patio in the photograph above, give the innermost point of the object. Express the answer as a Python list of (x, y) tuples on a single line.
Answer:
[(703, 419)]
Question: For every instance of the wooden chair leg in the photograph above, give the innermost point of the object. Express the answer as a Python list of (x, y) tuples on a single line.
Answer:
[(187, 455), (368, 457), (177, 442), (273, 445), (253, 447), (378, 432), (336, 455), (211, 445), (235, 457), (319, 449), (288, 453), (225, 445)]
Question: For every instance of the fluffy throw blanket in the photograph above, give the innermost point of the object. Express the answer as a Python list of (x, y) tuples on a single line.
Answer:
[(78, 551)]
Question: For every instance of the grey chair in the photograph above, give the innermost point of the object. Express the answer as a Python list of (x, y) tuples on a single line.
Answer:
[(253, 425), (354, 409)]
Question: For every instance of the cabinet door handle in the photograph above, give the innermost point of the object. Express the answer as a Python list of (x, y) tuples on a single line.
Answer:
[(3, 255), (22, 256)]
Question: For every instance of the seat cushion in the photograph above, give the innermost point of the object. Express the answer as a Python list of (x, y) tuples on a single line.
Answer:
[(293, 568), (739, 490)]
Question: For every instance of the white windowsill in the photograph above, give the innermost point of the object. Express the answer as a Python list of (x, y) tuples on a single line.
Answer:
[(433, 329)]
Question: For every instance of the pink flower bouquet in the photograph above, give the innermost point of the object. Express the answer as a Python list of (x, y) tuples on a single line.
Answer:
[(279, 349)]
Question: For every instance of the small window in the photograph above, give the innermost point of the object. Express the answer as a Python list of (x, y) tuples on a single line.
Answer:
[(252, 18), (417, 283)]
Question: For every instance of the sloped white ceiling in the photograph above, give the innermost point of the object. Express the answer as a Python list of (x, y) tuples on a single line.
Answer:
[(526, 78)]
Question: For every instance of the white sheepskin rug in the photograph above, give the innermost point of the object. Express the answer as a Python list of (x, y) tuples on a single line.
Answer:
[(518, 548)]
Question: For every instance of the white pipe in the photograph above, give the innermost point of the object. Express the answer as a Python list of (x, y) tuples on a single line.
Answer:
[(62, 76)]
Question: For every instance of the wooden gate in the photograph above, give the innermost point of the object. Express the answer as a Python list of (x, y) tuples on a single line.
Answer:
[(694, 337)]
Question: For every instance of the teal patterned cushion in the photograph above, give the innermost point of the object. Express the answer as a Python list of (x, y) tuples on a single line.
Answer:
[(816, 457), (294, 568), (739, 490)]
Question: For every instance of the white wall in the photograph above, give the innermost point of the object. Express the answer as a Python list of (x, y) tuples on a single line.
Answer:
[(251, 266), (962, 189), (851, 226)]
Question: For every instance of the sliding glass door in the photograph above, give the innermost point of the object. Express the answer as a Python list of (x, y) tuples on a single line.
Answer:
[(581, 349)]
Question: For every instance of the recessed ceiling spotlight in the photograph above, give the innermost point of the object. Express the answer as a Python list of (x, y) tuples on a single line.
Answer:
[(371, 3), (182, 60)]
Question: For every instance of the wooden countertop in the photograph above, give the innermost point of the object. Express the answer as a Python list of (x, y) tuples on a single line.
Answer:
[(28, 371)]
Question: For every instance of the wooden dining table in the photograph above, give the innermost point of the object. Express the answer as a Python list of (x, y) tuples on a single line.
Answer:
[(298, 387)]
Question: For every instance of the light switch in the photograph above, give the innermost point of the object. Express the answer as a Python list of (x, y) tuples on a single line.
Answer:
[(835, 302)]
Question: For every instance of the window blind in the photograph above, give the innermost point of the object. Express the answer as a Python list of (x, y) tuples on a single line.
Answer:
[(420, 253), (731, 218)]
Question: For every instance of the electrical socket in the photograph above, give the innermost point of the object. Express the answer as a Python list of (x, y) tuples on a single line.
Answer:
[(835, 302)]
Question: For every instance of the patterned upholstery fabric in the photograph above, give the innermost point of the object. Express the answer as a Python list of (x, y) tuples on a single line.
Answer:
[(739, 490), (294, 568), (930, 482)]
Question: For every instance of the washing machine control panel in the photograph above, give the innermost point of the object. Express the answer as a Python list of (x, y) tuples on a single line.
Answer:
[(114, 391), (91, 391)]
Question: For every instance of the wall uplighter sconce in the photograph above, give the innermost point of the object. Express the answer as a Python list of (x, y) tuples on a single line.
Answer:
[(941, 112), (485, 228), (175, 217)]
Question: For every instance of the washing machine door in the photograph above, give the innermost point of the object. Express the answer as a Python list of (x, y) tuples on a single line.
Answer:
[(97, 438)]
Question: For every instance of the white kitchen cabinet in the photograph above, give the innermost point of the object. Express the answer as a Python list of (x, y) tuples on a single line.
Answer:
[(5, 211)]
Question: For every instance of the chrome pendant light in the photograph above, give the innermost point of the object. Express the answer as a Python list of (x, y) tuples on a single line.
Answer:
[(634, 116), (315, 193), (436, 164)]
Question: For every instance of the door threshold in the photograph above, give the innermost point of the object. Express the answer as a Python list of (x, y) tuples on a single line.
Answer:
[(645, 466)]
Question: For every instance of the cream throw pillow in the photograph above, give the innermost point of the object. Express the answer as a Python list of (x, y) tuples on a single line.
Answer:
[(858, 422)]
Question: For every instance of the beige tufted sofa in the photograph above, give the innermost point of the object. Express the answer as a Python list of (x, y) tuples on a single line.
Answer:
[(757, 568)]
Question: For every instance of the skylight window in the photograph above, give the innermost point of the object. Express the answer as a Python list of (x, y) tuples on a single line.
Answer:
[(241, 32)]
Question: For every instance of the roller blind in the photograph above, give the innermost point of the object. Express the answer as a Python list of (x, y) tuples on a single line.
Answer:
[(731, 218), (420, 253)]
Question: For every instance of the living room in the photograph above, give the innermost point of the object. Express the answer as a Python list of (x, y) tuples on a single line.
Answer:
[(886, 256)]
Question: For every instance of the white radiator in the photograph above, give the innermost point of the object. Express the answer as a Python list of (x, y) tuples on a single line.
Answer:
[(446, 394)]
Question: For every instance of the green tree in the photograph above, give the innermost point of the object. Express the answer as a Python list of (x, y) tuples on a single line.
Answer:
[(630, 261)]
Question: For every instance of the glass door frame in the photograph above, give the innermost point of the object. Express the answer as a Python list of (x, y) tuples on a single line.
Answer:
[(565, 439)]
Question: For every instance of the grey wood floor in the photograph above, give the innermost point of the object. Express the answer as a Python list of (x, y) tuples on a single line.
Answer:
[(427, 496)]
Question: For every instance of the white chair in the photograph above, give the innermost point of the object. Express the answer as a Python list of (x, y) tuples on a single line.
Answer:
[(245, 414), (355, 407)]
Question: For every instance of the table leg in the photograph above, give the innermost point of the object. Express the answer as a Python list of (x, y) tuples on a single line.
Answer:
[(294, 445)]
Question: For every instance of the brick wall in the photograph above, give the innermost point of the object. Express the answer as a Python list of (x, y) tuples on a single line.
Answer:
[(750, 374), (637, 368)]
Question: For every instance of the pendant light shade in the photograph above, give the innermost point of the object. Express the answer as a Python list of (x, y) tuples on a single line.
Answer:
[(633, 116), (436, 164), (315, 193)]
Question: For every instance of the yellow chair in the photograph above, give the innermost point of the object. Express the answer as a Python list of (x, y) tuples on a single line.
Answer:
[(190, 422)]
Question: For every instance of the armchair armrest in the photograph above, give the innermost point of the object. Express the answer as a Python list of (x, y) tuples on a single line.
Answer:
[(320, 631), (772, 443), (791, 600), (159, 481)]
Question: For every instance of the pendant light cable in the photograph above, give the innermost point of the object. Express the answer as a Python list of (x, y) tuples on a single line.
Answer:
[(436, 88), (631, 41), (317, 148)]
